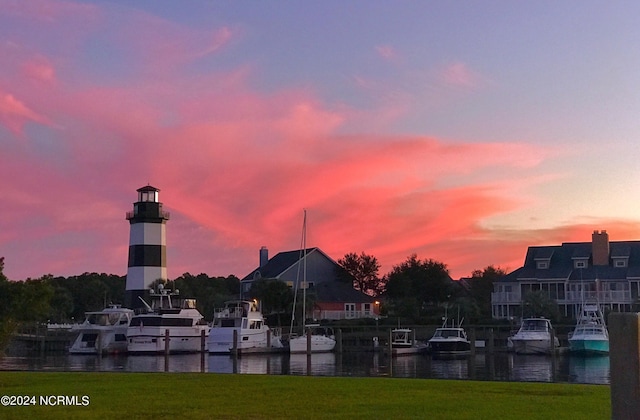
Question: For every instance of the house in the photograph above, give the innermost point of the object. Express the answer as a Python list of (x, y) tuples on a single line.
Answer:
[(333, 298), (602, 270)]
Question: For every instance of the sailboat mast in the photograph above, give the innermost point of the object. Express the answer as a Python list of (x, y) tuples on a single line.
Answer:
[(304, 271)]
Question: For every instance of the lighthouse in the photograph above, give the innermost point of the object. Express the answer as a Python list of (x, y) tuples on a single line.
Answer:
[(147, 245)]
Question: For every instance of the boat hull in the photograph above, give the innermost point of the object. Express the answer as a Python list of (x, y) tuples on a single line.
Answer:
[(449, 347), (148, 340), (221, 341), (532, 346), (100, 341), (589, 346), (319, 344)]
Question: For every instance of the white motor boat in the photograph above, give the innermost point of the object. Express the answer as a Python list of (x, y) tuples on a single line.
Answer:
[(403, 342), (183, 325), (102, 332), (534, 337), (241, 319)]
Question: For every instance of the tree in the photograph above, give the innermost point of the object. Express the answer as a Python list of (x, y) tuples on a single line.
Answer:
[(415, 285), (538, 303), (481, 287), (362, 270), (274, 295)]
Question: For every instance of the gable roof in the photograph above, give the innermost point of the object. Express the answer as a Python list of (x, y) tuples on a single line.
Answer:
[(561, 262), (281, 262), (336, 291)]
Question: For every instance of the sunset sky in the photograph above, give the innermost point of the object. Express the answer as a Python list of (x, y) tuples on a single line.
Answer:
[(462, 131)]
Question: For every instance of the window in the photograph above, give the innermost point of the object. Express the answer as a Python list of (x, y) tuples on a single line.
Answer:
[(580, 264), (542, 265), (350, 310), (366, 307), (620, 263)]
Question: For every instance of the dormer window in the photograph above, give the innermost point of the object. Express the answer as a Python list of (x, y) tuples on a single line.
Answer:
[(580, 264), (620, 262), (542, 265)]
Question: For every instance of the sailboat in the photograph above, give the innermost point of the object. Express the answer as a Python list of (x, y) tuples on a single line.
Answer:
[(315, 338)]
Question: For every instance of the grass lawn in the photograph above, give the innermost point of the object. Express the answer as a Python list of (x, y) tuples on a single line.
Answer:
[(225, 396)]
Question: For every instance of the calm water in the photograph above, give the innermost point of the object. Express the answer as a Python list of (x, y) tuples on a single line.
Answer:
[(497, 367)]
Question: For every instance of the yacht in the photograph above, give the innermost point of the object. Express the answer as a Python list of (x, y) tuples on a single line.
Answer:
[(534, 337), (102, 332), (241, 319), (184, 325), (590, 335), (449, 341)]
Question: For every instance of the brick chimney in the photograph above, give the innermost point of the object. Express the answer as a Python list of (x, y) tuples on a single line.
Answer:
[(264, 256), (600, 247)]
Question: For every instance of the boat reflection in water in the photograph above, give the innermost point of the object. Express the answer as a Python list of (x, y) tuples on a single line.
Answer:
[(315, 364), (500, 366), (589, 370), (259, 364), (531, 368)]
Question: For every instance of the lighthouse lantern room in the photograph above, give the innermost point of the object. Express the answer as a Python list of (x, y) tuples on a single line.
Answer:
[(147, 245)]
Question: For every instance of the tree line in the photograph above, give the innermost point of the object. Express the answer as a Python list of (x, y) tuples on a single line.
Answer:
[(415, 289)]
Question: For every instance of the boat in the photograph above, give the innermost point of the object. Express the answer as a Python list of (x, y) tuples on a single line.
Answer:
[(102, 332), (534, 337), (590, 335), (449, 340), (184, 325), (314, 338), (242, 319), (403, 342)]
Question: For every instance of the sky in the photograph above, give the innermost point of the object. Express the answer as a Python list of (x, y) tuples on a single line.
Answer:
[(462, 132)]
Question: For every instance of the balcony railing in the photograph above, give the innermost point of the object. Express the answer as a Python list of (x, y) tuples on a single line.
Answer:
[(162, 214), (343, 314), (571, 297)]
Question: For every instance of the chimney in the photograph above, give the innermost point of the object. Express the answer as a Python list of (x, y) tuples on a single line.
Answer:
[(264, 256), (600, 247)]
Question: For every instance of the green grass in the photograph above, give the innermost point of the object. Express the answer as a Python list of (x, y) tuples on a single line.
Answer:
[(225, 396)]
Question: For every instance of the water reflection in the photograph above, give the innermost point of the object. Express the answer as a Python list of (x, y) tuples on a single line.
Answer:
[(496, 367)]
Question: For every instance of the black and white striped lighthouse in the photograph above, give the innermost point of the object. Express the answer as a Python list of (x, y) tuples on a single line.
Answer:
[(147, 245)]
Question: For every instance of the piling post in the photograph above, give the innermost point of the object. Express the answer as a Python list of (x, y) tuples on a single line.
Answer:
[(339, 340), (624, 358), (490, 341), (234, 346), (268, 340), (308, 342), (203, 349), (166, 350), (472, 341)]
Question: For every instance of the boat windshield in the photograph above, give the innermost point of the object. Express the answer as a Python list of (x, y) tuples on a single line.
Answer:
[(447, 333), (103, 319), (534, 325)]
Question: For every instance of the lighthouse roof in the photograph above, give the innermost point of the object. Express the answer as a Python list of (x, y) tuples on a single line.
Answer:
[(147, 188)]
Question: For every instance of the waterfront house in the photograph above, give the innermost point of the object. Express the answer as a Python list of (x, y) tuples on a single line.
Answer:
[(333, 298), (602, 270)]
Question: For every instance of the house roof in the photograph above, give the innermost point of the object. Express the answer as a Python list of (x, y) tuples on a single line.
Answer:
[(561, 262), (340, 292), (279, 264)]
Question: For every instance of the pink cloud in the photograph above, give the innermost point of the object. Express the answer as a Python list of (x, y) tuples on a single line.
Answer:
[(386, 51), (460, 75), (236, 167), (14, 114), (39, 69)]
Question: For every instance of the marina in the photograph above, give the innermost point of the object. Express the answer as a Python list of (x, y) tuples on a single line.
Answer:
[(500, 366)]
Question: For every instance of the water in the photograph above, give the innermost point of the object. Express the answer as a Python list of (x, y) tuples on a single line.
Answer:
[(496, 367)]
